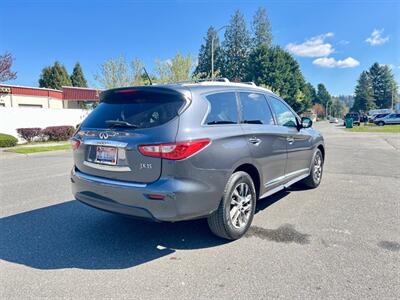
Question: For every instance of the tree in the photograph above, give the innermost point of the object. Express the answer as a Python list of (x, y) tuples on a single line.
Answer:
[(337, 108), (311, 92), (364, 95), (318, 109), (261, 28), (77, 77), (177, 69), (277, 69), (203, 68), (236, 48), (323, 96), (117, 72), (54, 77), (384, 86), (6, 61)]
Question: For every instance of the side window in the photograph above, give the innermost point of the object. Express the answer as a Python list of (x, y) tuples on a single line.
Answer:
[(284, 115), (255, 109), (223, 109)]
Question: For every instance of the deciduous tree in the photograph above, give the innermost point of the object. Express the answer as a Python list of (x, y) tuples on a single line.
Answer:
[(6, 61)]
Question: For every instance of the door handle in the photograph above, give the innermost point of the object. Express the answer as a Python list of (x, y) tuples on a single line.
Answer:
[(290, 140), (254, 141)]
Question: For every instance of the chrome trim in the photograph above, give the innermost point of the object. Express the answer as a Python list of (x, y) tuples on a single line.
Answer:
[(108, 182), (109, 143), (283, 186), (286, 176), (107, 167)]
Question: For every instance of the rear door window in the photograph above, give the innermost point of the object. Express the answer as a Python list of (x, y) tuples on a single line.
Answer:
[(255, 109), (223, 109), (142, 109)]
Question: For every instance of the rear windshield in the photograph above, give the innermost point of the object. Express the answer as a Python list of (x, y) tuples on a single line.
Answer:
[(142, 109)]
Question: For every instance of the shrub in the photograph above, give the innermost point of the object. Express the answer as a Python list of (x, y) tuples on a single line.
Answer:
[(7, 140), (29, 134), (58, 133)]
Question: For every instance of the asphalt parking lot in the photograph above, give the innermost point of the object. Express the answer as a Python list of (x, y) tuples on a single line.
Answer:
[(339, 241)]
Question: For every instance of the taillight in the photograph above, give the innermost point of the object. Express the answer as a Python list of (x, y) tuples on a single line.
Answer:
[(174, 151), (75, 143)]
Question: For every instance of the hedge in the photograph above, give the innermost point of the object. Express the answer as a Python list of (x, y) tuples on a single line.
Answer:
[(29, 134), (58, 133), (7, 140)]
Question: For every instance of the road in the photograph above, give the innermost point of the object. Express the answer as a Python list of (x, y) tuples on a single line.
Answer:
[(340, 241)]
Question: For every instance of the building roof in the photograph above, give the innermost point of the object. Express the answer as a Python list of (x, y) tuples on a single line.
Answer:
[(67, 93)]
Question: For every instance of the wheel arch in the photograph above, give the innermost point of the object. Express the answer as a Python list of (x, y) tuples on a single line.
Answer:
[(253, 173)]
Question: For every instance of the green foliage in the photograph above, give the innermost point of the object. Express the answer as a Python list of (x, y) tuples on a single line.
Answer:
[(177, 69), (203, 68), (364, 94), (277, 69), (54, 77), (77, 77), (323, 96), (337, 108), (261, 28), (118, 73), (236, 49), (7, 140), (384, 86)]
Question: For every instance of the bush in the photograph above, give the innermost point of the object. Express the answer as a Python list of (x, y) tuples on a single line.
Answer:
[(29, 134), (58, 133), (7, 140)]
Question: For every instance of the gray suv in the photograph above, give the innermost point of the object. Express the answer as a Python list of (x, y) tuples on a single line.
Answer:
[(193, 150)]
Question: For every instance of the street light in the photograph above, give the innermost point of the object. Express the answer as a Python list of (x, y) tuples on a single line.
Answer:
[(212, 50)]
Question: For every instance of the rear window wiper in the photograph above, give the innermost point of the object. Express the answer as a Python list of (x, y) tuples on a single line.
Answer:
[(118, 123), (220, 122)]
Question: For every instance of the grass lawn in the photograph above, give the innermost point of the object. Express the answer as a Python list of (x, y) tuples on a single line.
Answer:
[(26, 150), (375, 128)]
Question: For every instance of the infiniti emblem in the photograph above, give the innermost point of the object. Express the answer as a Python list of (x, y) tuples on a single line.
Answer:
[(103, 135)]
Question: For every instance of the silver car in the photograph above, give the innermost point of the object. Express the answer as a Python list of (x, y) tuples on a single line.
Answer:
[(393, 118), (193, 150)]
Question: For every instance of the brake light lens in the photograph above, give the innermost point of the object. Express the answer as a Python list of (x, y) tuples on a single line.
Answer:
[(75, 143), (174, 151)]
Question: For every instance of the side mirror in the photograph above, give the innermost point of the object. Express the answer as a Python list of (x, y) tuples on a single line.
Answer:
[(306, 122)]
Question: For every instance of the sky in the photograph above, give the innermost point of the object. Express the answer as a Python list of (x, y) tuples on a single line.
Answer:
[(333, 41)]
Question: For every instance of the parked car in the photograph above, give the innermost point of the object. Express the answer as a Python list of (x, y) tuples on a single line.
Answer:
[(378, 116), (193, 150), (354, 116), (333, 120), (393, 118)]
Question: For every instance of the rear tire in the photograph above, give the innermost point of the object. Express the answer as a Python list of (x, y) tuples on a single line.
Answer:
[(236, 210), (314, 179)]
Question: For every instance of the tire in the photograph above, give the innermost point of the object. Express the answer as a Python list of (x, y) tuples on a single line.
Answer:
[(238, 189), (314, 179), (380, 123)]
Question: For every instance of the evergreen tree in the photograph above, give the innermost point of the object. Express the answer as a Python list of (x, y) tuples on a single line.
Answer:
[(236, 48), (278, 70), (323, 96), (364, 97), (77, 77), (203, 69), (261, 28), (384, 86), (54, 77)]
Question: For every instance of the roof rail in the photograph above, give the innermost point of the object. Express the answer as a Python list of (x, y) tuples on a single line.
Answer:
[(250, 83), (221, 79)]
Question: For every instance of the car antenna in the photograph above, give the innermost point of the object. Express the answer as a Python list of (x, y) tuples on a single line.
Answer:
[(147, 74)]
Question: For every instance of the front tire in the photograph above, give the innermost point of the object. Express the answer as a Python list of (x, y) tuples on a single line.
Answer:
[(314, 179), (235, 213), (381, 123)]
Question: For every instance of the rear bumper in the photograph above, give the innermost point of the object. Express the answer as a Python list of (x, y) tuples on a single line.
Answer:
[(184, 198)]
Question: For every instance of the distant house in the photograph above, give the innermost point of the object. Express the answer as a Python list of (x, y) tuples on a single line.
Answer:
[(34, 97)]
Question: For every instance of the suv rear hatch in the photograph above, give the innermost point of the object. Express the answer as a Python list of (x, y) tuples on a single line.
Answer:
[(126, 118)]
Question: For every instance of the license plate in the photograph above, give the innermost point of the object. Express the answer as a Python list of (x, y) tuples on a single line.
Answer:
[(106, 155)]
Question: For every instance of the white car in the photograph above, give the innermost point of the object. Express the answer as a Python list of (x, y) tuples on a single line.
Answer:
[(333, 120), (393, 118)]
